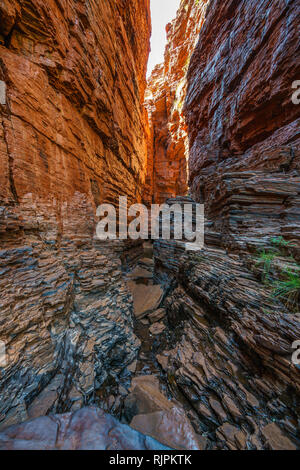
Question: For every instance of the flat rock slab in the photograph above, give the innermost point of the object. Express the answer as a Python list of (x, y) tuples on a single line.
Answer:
[(86, 429), (157, 315), (145, 397), (145, 298), (140, 273), (163, 361), (149, 380), (275, 439), (45, 400), (146, 262), (157, 328), (172, 427)]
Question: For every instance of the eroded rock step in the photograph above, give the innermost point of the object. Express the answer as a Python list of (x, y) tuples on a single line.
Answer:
[(232, 361), (149, 404)]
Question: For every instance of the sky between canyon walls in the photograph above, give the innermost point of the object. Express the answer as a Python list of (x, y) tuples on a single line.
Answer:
[(162, 12)]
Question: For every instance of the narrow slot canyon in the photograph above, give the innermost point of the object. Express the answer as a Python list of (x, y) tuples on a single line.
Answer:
[(142, 344)]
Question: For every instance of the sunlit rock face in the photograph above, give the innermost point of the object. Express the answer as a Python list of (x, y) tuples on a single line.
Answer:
[(72, 135), (239, 108), (167, 160)]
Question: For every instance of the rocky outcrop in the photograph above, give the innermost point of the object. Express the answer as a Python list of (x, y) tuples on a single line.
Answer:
[(72, 136), (171, 426), (86, 429), (150, 412), (167, 157)]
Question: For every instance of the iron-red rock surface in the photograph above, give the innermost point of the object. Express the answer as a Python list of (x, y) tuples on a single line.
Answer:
[(72, 136), (230, 340), (236, 324), (167, 160), (239, 107)]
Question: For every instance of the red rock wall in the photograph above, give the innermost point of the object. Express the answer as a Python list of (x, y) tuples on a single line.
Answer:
[(75, 76), (72, 135), (167, 165), (234, 362), (238, 108)]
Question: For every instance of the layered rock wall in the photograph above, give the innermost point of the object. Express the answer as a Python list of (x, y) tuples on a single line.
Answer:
[(232, 361), (168, 159), (239, 108), (72, 136), (230, 354)]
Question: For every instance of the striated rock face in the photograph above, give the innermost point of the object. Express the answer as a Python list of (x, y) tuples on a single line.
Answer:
[(230, 352), (239, 108), (232, 362), (167, 158), (72, 136), (86, 429), (148, 411)]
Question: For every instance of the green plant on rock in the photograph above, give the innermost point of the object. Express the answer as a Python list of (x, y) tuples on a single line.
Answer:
[(281, 242), (267, 312), (288, 289), (266, 260), (287, 286)]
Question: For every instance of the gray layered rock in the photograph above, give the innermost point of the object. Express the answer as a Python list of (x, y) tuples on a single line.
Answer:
[(67, 324), (233, 359)]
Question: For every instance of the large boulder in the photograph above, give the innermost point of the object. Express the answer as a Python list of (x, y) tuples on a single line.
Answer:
[(87, 429), (148, 409)]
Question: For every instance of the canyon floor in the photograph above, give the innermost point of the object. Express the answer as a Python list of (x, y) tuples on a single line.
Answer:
[(193, 385)]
